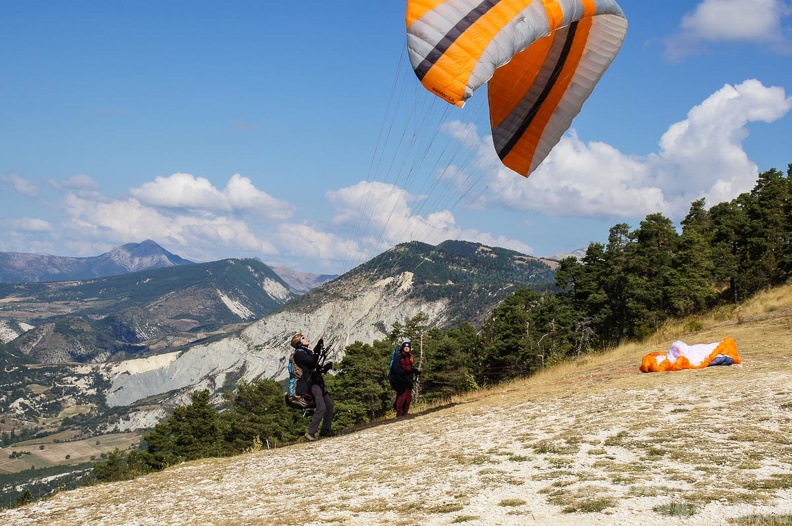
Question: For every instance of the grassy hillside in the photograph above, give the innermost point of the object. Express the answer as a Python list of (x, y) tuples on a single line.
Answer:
[(593, 441)]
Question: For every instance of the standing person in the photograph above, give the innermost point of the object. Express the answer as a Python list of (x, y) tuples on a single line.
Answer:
[(402, 376), (311, 382)]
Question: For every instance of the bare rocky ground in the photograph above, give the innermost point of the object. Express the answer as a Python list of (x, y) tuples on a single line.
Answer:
[(591, 442)]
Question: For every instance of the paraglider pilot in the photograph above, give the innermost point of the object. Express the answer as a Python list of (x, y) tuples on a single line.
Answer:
[(402, 377), (311, 382)]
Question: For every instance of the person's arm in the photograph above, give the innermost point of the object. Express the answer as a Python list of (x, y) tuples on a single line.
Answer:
[(305, 360)]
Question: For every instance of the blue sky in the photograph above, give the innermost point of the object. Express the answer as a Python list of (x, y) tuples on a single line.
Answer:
[(296, 133)]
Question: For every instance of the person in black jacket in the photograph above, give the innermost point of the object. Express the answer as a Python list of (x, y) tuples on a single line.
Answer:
[(402, 377), (311, 382)]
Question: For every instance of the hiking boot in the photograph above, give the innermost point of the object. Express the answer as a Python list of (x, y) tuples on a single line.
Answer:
[(326, 433), (309, 436)]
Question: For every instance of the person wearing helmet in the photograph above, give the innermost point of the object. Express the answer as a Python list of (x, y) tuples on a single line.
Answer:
[(402, 377), (310, 382)]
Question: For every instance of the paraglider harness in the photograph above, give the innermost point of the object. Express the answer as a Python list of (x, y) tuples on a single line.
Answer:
[(305, 402)]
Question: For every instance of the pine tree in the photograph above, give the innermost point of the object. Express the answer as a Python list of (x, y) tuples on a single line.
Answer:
[(360, 387), (693, 289), (191, 432), (256, 409), (505, 351), (449, 368)]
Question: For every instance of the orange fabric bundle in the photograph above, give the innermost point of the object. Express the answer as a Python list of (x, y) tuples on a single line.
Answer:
[(683, 356)]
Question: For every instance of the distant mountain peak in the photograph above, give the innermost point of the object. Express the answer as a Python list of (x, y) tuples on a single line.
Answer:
[(142, 256), (30, 268), (302, 282)]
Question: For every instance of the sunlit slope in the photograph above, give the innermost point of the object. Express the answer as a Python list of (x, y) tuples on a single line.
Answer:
[(592, 441)]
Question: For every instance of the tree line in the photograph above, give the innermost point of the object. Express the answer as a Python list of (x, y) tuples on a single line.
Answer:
[(621, 290)]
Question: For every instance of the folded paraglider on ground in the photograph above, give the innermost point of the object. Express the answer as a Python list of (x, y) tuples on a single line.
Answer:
[(684, 356)]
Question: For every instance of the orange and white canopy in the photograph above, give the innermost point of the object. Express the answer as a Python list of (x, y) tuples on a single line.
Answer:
[(683, 356), (541, 58)]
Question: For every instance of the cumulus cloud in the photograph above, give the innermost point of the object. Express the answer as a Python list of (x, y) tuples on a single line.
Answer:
[(182, 190), (181, 211), (304, 241), (754, 21), (103, 219), (381, 215), (701, 156), (20, 184)]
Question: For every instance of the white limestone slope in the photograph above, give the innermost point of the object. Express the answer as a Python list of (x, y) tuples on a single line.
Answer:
[(10, 329), (262, 349)]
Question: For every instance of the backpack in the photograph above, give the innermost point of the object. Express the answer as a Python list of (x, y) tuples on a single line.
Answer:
[(295, 373), (391, 373), (293, 400)]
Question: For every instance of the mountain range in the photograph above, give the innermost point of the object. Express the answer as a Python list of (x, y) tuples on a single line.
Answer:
[(122, 349), (95, 320), (17, 267)]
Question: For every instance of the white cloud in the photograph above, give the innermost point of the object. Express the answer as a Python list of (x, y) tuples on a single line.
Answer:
[(381, 215), (579, 179), (30, 224), (752, 21), (701, 156), (124, 220), (182, 190), (20, 184), (306, 242)]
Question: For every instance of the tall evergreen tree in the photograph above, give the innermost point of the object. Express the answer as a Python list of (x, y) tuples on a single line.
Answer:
[(504, 351), (255, 410), (604, 286), (768, 229), (450, 364), (191, 432), (728, 222), (785, 263), (694, 287), (651, 273), (360, 388)]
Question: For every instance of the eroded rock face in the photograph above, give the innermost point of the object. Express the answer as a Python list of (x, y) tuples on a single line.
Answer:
[(262, 349)]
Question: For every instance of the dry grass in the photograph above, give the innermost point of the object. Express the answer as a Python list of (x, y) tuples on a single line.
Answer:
[(44, 452), (591, 441)]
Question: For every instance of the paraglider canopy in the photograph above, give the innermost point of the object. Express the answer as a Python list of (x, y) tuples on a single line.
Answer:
[(541, 59), (683, 356)]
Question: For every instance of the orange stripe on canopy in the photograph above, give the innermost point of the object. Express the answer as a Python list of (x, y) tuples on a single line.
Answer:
[(450, 75), (416, 9), (511, 82), (522, 154)]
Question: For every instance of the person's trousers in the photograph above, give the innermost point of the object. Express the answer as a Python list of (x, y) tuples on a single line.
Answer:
[(323, 413), (403, 401)]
